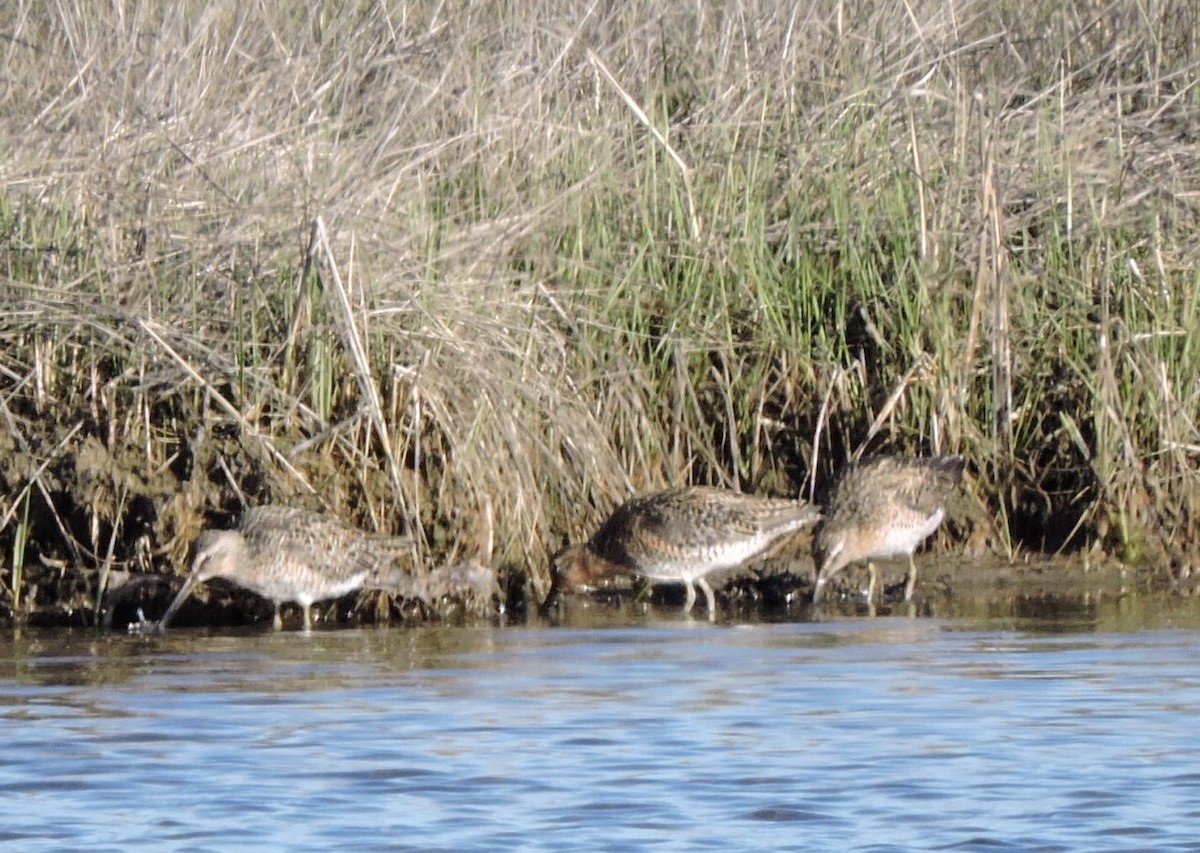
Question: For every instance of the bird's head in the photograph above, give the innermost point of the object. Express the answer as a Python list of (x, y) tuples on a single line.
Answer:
[(219, 554)]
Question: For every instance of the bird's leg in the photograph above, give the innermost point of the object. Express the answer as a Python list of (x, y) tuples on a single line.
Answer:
[(307, 618), (873, 585), (819, 588), (690, 601), (277, 623), (912, 579), (708, 597)]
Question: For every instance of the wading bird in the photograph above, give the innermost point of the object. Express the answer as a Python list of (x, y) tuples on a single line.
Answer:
[(682, 535), (288, 554), (883, 507)]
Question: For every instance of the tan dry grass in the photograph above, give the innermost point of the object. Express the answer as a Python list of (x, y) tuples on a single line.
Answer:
[(592, 248)]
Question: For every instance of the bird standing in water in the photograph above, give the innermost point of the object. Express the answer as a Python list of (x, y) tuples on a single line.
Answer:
[(682, 535), (883, 507), (288, 554)]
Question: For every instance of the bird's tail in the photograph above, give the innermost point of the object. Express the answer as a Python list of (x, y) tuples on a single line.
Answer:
[(948, 469)]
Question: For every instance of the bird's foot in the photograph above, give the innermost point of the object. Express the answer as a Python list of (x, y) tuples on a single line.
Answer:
[(144, 625)]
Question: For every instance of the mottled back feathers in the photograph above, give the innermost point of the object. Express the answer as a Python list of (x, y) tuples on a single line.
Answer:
[(682, 535), (883, 507), (288, 554)]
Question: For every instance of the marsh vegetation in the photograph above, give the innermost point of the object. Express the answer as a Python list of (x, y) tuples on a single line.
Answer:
[(395, 260)]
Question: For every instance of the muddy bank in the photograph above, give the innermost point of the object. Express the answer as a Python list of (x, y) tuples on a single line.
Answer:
[(1056, 589), (105, 540), (1043, 589), (93, 535)]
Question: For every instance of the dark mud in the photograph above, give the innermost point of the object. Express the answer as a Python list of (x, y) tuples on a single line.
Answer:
[(1075, 592), (1068, 590)]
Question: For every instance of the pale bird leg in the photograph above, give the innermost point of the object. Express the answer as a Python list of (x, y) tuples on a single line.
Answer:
[(691, 598), (307, 618), (873, 585), (708, 596), (277, 622), (912, 579)]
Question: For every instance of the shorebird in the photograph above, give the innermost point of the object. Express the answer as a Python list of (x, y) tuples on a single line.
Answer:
[(288, 554), (682, 535), (883, 507)]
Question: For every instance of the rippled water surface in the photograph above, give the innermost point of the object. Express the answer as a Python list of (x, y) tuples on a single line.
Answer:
[(860, 734)]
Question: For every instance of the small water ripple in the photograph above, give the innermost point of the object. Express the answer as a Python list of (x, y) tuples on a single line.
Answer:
[(888, 735)]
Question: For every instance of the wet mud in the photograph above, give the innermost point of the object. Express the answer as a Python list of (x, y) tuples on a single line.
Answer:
[(1068, 591)]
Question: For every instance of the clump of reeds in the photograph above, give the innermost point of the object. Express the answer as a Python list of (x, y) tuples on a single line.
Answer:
[(399, 261)]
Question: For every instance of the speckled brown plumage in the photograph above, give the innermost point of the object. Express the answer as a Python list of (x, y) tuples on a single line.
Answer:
[(883, 507), (682, 535), (288, 554)]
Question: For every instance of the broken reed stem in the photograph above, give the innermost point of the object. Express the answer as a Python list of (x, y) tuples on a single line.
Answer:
[(640, 114), (353, 341), (148, 327), (992, 252), (922, 366)]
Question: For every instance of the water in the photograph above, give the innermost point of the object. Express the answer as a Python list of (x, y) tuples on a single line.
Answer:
[(885, 734)]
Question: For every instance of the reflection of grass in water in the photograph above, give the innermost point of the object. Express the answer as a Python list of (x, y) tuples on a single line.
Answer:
[(569, 255)]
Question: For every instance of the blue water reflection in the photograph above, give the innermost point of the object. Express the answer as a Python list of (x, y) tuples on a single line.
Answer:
[(891, 734)]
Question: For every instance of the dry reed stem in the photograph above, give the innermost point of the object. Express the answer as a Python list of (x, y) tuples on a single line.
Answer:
[(228, 407), (920, 369), (353, 340), (684, 170)]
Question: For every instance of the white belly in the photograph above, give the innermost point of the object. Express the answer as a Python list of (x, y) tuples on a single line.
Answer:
[(902, 541), (714, 559)]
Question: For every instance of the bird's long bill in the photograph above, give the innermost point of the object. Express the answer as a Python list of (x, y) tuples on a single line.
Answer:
[(553, 597), (180, 597)]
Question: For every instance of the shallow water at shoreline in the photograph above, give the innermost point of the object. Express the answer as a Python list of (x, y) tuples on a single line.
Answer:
[(621, 729)]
